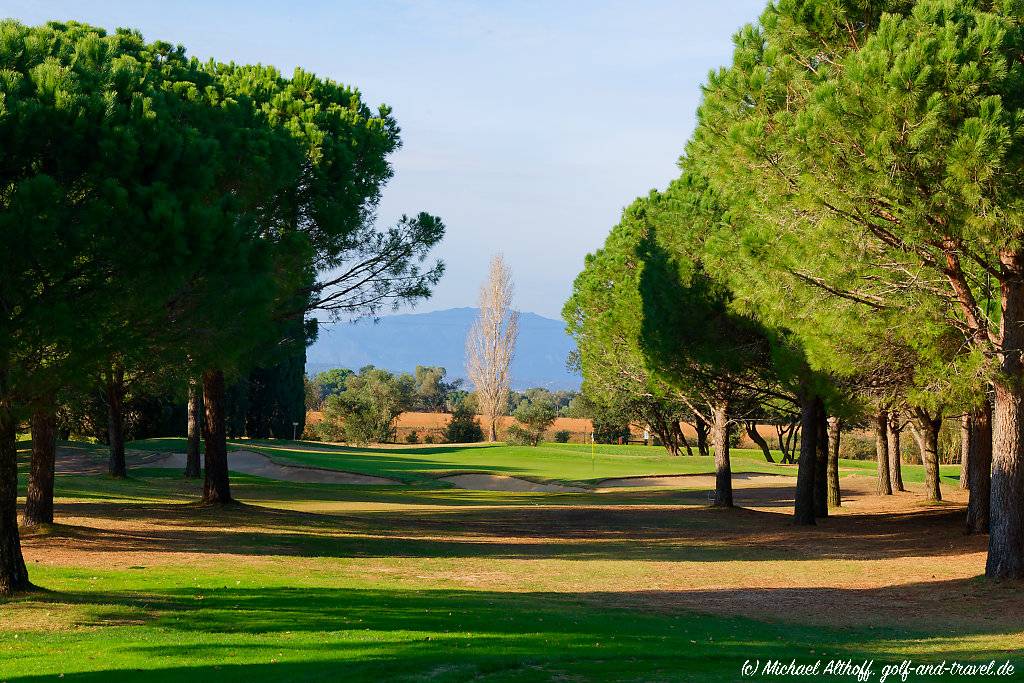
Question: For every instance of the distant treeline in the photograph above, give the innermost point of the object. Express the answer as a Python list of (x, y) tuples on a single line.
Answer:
[(362, 406), (430, 391)]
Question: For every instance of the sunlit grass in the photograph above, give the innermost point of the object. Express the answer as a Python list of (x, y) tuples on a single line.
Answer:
[(426, 582)]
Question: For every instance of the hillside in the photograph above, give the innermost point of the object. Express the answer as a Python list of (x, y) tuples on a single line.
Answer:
[(401, 342)]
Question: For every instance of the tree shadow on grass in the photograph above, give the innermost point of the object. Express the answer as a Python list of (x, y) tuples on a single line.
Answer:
[(577, 532), (383, 464), (169, 484), (397, 463), (233, 633)]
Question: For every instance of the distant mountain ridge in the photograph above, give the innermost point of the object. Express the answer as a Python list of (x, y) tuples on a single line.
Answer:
[(401, 342)]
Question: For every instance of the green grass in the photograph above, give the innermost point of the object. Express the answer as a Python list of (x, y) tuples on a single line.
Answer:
[(428, 583), (236, 624), (549, 462), (567, 463)]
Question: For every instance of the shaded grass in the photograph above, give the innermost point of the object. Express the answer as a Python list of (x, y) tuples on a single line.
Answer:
[(329, 582), (561, 463), (237, 625)]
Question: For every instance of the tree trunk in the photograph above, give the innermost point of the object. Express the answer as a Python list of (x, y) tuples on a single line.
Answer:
[(1006, 526), (492, 432), (116, 466), (790, 447), (895, 455), (926, 431), (966, 436), (682, 437), (803, 511), (216, 486), (39, 498), (751, 427), (13, 574), (821, 461), (723, 469), (701, 428), (883, 485), (193, 464), (785, 435), (835, 498), (782, 444), (672, 434), (662, 428), (979, 475), (668, 442)]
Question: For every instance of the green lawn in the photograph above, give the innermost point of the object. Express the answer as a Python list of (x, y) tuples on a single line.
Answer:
[(569, 463), (424, 582), (231, 623)]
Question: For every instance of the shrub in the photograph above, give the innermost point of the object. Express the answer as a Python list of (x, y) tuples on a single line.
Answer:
[(368, 405), (330, 428), (536, 417), (519, 436), (562, 436), (463, 427), (610, 431), (412, 437), (429, 438), (858, 446)]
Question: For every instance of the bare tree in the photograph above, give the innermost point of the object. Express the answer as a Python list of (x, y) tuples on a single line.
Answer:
[(491, 343)]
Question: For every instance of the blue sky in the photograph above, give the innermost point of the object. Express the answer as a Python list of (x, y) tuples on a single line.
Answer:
[(527, 126)]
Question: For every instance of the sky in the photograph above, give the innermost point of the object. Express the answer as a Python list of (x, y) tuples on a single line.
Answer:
[(526, 126)]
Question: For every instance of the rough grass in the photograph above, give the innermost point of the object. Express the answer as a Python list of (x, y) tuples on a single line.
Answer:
[(428, 583)]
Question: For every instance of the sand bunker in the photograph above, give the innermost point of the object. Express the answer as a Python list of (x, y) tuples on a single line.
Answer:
[(248, 462), (497, 482), (698, 481), (72, 460)]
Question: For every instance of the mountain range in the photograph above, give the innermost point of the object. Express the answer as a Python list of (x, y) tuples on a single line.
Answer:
[(401, 342)]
